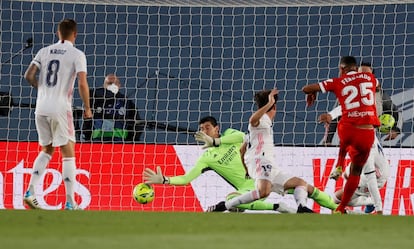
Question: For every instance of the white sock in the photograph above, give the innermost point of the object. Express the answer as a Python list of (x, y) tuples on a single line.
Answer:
[(244, 198), (360, 201), (69, 174), (301, 195), (39, 168), (374, 191)]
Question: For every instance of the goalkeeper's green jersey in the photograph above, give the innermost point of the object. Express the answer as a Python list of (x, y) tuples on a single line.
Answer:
[(225, 160)]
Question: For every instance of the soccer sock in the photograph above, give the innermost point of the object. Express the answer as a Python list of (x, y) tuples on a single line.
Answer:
[(242, 199), (374, 191), (349, 190), (300, 193), (257, 205), (360, 201), (69, 174), (323, 199), (39, 168)]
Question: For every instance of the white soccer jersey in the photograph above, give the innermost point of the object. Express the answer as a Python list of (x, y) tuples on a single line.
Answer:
[(59, 64), (260, 148)]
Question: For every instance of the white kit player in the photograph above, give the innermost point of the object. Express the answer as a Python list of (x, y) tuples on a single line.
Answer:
[(260, 162), (57, 66)]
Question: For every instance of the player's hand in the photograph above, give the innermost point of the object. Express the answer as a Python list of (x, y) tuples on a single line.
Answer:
[(310, 99), (207, 140), (325, 118), (273, 96), (87, 114), (151, 177), (336, 173)]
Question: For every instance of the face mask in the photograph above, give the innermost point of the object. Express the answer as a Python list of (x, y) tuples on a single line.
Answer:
[(113, 88)]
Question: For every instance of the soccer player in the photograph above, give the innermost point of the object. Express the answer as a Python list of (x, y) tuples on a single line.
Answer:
[(376, 169), (259, 158), (57, 65), (356, 95), (223, 157), (374, 176)]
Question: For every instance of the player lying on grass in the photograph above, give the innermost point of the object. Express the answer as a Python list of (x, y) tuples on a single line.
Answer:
[(223, 157), (231, 170)]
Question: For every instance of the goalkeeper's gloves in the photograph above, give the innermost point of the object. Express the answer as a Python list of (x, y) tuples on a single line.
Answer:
[(151, 177), (336, 173), (207, 140)]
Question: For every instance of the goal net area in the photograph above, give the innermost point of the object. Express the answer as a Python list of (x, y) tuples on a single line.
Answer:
[(179, 61)]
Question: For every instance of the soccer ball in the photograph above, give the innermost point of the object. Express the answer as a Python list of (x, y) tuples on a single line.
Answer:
[(143, 193), (387, 122)]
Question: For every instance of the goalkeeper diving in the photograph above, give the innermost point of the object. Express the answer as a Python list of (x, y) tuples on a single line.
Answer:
[(223, 157)]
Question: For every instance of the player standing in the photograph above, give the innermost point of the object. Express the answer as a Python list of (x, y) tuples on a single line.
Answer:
[(58, 66), (375, 171), (356, 129)]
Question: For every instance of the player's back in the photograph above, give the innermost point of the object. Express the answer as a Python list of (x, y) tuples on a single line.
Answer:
[(58, 64), (356, 95)]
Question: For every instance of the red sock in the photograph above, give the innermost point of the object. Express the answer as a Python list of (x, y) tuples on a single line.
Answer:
[(350, 186)]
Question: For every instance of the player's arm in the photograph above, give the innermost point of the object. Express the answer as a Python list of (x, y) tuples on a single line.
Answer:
[(84, 94), (243, 149), (311, 91), (30, 75), (255, 118), (332, 115), (152, 177)]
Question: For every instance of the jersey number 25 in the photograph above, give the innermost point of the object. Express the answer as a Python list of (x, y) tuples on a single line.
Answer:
[(356, 96)]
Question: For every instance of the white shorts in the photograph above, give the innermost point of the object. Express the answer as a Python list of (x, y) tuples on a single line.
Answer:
[(56, 130), (265, 170)]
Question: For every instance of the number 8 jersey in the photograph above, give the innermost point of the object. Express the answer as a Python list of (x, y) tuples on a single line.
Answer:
[(356, 95), (58, 63)]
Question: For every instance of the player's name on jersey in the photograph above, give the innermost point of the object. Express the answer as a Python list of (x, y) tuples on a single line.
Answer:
[(58, 51), (353, 77)]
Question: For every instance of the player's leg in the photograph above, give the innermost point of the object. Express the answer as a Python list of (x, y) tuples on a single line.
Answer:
[(322, 198), (360, 144), (41, 161), (300, 192), (263, 190), (261, 205), (64, 137)]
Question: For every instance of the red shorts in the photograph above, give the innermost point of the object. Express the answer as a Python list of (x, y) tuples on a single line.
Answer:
[(356, 141)]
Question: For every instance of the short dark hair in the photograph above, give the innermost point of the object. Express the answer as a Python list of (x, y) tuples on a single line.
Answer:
[(262, 98), (210, 119), (67, 27), (367, 64), (348, 62)]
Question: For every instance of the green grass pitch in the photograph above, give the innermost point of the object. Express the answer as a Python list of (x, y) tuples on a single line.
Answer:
[(100, 230)]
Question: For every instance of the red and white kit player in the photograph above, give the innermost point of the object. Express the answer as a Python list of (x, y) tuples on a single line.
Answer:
[(356, 129)]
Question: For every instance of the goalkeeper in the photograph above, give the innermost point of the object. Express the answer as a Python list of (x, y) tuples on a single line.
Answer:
[(223, 157)]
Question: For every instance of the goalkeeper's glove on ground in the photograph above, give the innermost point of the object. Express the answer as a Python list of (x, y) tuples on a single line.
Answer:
[(151, 177), (336, 173), (207, 140)]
